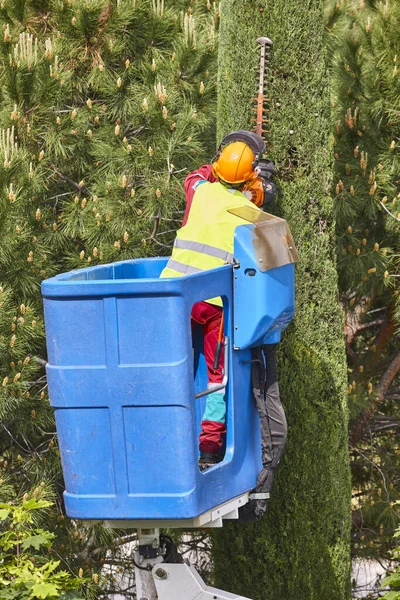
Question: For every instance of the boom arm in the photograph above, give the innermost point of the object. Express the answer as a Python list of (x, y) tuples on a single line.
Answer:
[(158, 580)]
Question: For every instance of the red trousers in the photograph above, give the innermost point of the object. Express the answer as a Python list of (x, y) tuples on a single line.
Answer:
[(208, 316)]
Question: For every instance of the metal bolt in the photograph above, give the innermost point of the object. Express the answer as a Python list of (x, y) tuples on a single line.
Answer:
[(161, 573), (260, 260)]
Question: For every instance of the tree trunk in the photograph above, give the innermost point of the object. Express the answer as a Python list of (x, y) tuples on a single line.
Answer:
[(301, 549)]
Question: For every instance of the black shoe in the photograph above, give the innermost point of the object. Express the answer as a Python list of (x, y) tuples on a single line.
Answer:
[(209, 459)]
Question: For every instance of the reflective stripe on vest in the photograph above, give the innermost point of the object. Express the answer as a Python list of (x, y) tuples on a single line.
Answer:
[(204, 249), (182, 268)]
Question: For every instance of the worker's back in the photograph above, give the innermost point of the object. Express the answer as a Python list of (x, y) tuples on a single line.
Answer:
[(206, 240)]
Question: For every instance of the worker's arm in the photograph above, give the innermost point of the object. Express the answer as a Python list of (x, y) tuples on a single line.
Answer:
[(192, 181)]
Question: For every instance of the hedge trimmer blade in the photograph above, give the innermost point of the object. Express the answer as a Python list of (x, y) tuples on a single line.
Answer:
[(261, 110)]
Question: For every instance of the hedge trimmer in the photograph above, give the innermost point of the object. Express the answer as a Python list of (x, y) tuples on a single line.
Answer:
[(261, 189)]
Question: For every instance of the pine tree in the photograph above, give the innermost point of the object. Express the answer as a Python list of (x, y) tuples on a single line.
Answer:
[(300, 551), (366, 48), (105, 106)]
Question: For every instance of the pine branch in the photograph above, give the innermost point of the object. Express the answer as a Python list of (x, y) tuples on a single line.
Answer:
[(394, 394), (79, 188), (15, 441), (386, 330), (358, 429), (374, 465), (388, 211), (354, 328), (153, 236), (166, 232), (40, 361), (159, 243), (156, 225), (382, 425)]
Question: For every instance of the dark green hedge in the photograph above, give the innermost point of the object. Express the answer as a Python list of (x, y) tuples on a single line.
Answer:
[(300, 551)]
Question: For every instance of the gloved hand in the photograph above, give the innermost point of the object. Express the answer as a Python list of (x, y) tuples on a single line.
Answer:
[(266, 169)]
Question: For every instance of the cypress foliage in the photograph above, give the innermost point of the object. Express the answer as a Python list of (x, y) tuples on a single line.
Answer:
[(300, 550)]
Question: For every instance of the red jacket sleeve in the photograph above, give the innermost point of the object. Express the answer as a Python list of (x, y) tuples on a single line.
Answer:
[(192, 181)]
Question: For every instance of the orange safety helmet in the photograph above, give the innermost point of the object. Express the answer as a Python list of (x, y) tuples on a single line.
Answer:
[(238, 156), (235, 163)]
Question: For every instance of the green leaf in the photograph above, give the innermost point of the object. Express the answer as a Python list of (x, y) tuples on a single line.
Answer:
[(23, 572), (35, 541), (7, 540), (393, 579), (4, 512), (34, 503), (391, 596), (42, 538), (51, 566), (44, 590)]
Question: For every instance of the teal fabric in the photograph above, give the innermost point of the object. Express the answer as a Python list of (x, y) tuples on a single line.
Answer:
[(215, 407)]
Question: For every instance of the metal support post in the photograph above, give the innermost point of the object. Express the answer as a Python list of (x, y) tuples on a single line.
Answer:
[(224, 382), (148, 554)]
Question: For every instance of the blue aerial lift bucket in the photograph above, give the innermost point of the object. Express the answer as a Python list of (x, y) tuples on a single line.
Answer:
[(124, 369)]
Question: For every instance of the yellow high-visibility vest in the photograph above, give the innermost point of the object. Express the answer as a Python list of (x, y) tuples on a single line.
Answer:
[(206, 241)]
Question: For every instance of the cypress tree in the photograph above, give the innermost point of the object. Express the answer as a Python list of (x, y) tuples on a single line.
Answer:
[(300, 550)]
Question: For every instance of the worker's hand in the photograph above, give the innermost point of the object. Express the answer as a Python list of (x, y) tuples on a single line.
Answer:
[(266, 169)]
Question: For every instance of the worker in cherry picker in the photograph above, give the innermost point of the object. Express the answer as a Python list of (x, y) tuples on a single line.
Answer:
[(238, 177)]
